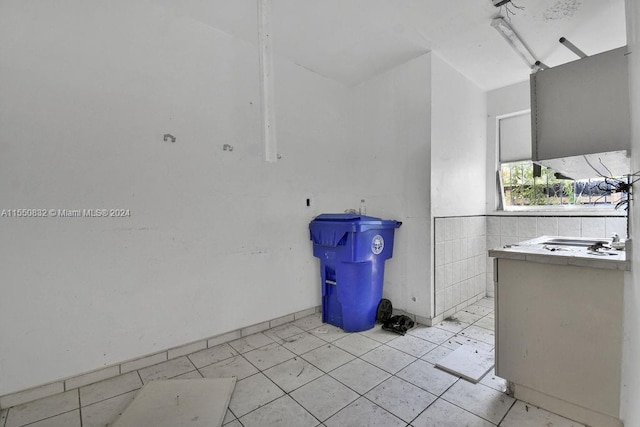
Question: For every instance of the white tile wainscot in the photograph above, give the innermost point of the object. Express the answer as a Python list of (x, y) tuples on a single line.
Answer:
[(460, 263), (507, 228)]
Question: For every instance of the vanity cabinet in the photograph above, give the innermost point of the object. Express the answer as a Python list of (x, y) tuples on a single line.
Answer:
[(559, 336)]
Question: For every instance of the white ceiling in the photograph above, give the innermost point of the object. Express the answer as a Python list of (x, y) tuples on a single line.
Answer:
[(352, 40)]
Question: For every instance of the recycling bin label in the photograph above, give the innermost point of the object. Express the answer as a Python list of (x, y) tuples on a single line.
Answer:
[(377, 244)]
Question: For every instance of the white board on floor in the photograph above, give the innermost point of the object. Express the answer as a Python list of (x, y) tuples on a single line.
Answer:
[(467, 362), (196, 402)]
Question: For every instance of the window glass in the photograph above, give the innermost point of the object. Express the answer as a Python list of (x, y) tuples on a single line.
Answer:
[(522, 185)]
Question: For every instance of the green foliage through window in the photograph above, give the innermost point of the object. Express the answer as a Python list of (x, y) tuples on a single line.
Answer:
[(522, 188)]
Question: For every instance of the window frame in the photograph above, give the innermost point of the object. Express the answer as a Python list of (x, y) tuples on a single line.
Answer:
[(552, 209)]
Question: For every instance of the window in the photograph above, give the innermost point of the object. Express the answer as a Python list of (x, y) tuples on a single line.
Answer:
[(525, 185), (522, 186)]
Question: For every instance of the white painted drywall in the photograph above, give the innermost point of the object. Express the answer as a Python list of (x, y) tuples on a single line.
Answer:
[(217, 240), (506, 100), (630, 411), (392, 137), (458, 128)]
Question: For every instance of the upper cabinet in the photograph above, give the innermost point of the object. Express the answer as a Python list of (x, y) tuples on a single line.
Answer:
[(582, 108)]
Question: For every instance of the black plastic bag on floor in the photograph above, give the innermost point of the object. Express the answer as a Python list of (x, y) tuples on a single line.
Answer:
[(398, 324), (385, 310)]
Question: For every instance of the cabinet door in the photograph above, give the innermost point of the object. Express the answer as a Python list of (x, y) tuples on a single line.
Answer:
[(581, 107), (559, 331)]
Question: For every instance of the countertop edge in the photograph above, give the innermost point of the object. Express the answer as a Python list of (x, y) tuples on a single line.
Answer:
[(530, 251)]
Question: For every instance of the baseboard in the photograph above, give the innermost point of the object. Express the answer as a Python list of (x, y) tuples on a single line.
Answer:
[(77, 381), (566, 409)]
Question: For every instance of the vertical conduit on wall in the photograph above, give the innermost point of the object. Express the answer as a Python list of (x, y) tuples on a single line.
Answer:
[(266, 81)]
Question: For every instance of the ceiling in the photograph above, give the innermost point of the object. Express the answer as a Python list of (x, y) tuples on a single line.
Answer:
[(353, 40)]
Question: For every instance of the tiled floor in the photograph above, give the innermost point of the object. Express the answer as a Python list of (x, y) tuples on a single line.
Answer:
[(307, 373)]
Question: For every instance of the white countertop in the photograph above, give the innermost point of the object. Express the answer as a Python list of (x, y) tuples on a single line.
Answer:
[(536, 250)]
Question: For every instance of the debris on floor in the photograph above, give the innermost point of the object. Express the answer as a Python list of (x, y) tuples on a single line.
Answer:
[(398, 324), (467, 362), (195, 402)]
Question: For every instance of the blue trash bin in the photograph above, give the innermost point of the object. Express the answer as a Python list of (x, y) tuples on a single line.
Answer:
[(352, 250)]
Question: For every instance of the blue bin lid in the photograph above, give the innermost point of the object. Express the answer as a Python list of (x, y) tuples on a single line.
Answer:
[(358, 222), (345, 217)]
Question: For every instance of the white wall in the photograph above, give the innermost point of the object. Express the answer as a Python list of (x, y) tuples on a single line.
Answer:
[(217, 240), (431, 119), (392, 138), (630, 411), (458, 128)]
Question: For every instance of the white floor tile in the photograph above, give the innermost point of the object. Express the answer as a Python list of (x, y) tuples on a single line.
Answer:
[(379, 334), (165, 370), (237, 367), (402, 399), (388, 358), (293, 374), (480, 400), (25, 396), (252, 393), (228, 417), (467, 362), (451, 324), (464, 317), (108, 388), (297, 362), (92, 377), (250, 342), (364, 413), (282, 332), (444, 414), (107, 411), (434, 335), (479, 334), (524, 415), (193, 375), (68, 419), (478, 310), (309, 322), (302, 343), (328, 357), (436, 354), (356, 344), (427, 377), (414, 346), (359, 375), (328, 332), (494, 381), (283, 411), (268, 356), (486, 323), (212, 355), (169, 403), (324, 396), (459, 340), (487, 302), (42, 408)]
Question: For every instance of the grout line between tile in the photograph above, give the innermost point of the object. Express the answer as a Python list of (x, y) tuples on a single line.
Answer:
[(79, 406), (303, 313), (384, 409), (52, 416), (466, 410), (508, 410)]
